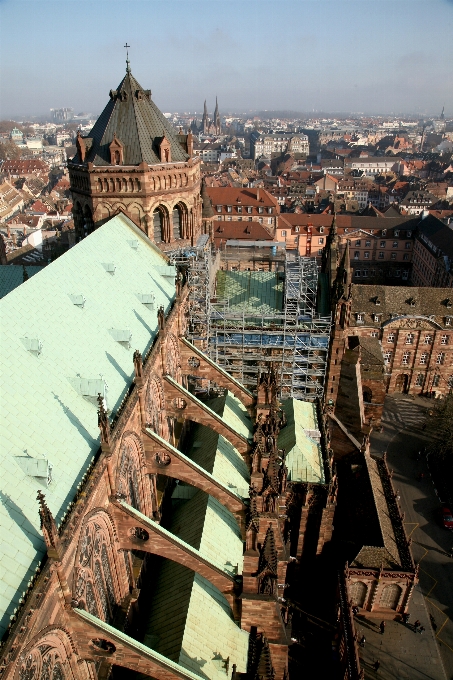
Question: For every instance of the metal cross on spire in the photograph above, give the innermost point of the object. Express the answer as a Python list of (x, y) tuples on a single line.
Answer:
[(128, 68)]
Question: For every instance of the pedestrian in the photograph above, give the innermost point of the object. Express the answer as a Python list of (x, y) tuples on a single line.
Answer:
[(355, 610), (406, 617), (382, 627), (416, 625), (362, 641), (376, 665), (421, 629)]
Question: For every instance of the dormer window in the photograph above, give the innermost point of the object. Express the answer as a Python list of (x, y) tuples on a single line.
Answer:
[(448, 320), (396, 233), (448, 303), (229, 208), (377, 301), (219, 208), (260, 209), (384, 232), (411, 302), (321, 230), (377, 318), (239, 208), (269, 210), (249, 210), (165, 150), (408, 234), (116, 151), (360, 317)]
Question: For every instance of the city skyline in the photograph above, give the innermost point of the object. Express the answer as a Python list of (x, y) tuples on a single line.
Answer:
[(348, 56)]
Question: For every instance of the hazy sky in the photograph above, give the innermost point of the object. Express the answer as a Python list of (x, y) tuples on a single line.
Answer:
[(331, 55)]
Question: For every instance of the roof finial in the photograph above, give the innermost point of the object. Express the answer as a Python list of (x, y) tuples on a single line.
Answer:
[(128, 67)]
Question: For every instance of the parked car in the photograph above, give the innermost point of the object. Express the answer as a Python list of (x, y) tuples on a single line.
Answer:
[(446, 517)]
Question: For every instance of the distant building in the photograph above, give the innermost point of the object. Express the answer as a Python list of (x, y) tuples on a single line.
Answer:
[(371, 165), (61, 115), (279, 142), (16, 136)]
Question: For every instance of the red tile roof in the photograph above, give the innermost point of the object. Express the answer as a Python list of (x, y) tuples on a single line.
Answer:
[(230, 195), (249, 231)]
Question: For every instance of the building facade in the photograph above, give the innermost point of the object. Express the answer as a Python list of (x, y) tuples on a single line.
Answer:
[(277, 143), (135, 162), (411, 326)]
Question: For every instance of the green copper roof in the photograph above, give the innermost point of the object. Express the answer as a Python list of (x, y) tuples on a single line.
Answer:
[(115, 634), (12, 276), (191, 623), (251, 291), (304, 453), (216, 454), (63, 340)]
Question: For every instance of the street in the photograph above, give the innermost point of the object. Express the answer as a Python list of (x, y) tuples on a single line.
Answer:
[(402, 438)]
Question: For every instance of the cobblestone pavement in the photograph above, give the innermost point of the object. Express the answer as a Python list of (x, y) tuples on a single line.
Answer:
[(401, 652), (402, 438)]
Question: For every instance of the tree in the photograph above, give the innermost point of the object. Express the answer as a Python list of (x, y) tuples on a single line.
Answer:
[(439, 428), (9, 151)]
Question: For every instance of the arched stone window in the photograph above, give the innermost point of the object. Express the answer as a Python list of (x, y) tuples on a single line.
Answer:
[(173, 359), (181, 221), (111, 185), (106, 185), (358, 592), (99, 185), (137, 185), (161, 225), (155, 408), (158, 226), (131, 186), (118, 184), (88, 224), (129, 480), (176, 217), (94, 584), (390, 596), (124, 185), (43, 662), (78, 218)]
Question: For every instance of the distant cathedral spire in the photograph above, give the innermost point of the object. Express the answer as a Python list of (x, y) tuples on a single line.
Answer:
[(216, 121)]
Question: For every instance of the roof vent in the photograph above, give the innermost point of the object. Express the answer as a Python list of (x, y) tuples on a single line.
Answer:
[(109, 267), (377, 300), (147, 299), (33, 345), (36, 467), (411, 301), (90, 388), (134, 244), (123, 336), (448, 303), (78, 300), (313, 434)]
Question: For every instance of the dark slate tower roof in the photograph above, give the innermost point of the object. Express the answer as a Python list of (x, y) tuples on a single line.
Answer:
[(138, 125)]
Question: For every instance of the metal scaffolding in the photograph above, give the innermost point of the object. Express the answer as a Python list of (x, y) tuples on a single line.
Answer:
[(295, 337)]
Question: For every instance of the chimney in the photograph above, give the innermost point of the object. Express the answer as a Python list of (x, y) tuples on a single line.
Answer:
[(190, 143), (258, 194)]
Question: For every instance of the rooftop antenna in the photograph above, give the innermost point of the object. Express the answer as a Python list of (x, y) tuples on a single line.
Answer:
[(128, 67)]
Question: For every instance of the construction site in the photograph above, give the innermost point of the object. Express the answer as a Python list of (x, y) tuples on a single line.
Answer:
[(256, 304)]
